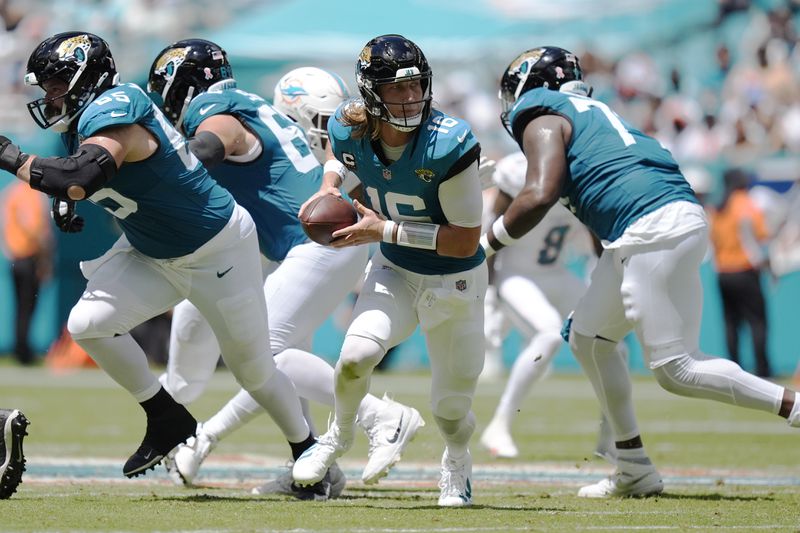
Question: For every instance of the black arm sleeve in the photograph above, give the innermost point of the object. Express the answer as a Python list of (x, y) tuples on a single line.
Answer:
[(91, 167), (208, 148)]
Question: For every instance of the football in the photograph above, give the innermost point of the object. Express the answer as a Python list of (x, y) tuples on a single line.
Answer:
[(325, 215)]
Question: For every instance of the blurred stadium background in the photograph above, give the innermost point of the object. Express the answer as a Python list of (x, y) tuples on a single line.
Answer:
[(716, 81)]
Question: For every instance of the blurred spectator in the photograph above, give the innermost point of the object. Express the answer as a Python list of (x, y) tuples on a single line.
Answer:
[(738, 231), (28, 244)]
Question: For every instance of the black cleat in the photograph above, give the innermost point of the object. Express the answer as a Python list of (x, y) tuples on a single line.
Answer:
[(319, 491), (163, 434), (13, 424)]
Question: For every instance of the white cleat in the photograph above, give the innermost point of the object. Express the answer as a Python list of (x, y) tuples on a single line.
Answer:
[(312, 465), (393, 428), (498, 441), (456, 481), (184, 462), (636, 481), (283, 483)]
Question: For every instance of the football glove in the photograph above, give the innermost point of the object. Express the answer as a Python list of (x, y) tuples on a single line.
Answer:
[(64, 216), (11, 158)]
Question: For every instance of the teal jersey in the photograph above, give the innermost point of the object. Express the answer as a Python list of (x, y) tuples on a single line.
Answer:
[(616, 173), (408, 189), (274, 184), (167, 205)]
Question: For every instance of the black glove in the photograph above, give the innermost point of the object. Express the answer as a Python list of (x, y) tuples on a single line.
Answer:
[(10, 156), (64, 216)]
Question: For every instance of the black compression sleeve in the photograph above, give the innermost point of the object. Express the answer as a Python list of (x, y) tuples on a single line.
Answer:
[(208, 148)]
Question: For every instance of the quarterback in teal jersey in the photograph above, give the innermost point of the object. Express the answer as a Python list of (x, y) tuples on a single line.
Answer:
[(630, 192), (184, 237), (261, 155), (419, 170)]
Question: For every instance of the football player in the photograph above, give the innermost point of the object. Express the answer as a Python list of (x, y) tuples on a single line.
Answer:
[(262, 157), (630, 192), (184, 237), (536, 291), (419, 170)]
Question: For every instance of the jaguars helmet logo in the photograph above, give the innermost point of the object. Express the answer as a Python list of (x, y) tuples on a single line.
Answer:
[(76, 48), (365, 56), (168, 63), (526, 60), (425, 174)]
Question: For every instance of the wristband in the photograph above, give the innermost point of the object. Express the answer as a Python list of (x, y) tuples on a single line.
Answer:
[(501, 234), (388, 231), (417, 235), (335, 166), (487, 248)]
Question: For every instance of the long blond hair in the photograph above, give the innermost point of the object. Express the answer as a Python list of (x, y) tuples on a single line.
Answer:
[(355, 116)]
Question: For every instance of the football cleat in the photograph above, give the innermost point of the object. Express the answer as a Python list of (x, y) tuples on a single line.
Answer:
[(630, 480), (456, 481), (163, 433), (313, 464), (284, 483), (13, 423), (498, 441), (184, 462), (319, 491), (391, 431)]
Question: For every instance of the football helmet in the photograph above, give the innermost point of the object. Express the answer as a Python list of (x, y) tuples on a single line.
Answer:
[(391, 59), (185, 69), (81, 60), (549, 67), (310, 96)]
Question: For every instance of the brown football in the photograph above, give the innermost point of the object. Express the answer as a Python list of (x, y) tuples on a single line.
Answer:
[(325, 215)]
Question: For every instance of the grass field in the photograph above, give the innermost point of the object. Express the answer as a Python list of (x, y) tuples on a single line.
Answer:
[(724, 468)]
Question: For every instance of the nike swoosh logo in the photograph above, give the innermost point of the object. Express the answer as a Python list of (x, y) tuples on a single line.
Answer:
[(461, 137), (396, 432), (117, 114), (220, 274), (206, 109), (147, 457)]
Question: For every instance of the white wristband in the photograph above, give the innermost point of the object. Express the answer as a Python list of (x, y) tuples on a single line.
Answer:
[(417, 235), (335, 166), (487, 248), (501, 234), (388, 231)]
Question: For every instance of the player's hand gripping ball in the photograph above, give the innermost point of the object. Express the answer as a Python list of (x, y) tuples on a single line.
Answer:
[(327, 214)]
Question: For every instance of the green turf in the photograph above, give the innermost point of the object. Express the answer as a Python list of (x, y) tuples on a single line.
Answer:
[(85, 415)]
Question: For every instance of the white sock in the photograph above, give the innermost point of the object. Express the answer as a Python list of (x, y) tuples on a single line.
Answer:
[(125, 362), (457, 433)]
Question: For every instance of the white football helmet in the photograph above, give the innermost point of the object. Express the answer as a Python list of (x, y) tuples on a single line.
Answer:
[(310, 96)]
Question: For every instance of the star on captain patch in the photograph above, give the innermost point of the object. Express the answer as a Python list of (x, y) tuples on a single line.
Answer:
[(387, 174), (461, 285), (425, 174)]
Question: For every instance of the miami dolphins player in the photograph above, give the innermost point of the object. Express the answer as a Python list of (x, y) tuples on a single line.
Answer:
[(184, 237), (262, 157), (632, 195), (536, 290), (419, 169)]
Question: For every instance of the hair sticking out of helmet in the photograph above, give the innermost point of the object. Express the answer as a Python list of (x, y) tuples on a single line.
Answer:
[(548, 67), (184, 70), (83, 63), (310, 96), (393, 59)]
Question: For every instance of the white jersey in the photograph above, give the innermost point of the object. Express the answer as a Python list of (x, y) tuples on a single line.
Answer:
[(543, 250)]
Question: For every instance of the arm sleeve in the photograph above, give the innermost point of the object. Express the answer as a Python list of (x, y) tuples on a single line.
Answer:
[(461, 198)]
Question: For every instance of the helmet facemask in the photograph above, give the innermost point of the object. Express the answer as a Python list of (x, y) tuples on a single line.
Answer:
[(379, 107)]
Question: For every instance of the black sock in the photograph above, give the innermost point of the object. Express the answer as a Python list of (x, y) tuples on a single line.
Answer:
[(158, 404), (299, 447)]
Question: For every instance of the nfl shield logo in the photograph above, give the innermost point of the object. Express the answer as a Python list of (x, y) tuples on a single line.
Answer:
[(387, 174), (461, 285)]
